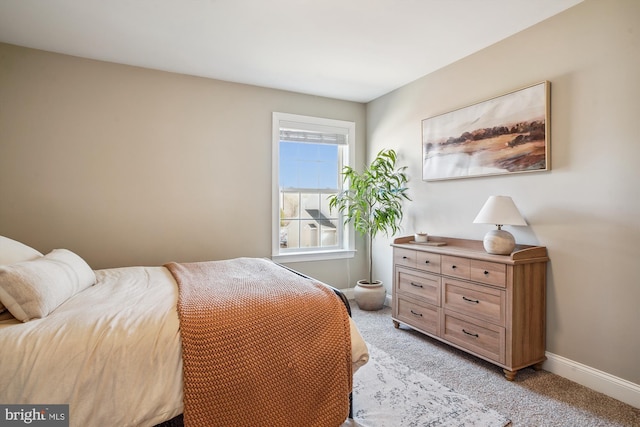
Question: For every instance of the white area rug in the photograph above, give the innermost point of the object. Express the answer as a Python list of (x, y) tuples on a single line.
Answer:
[(387, 393)]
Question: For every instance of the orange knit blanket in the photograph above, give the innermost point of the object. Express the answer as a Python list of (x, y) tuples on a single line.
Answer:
[(261, 346)]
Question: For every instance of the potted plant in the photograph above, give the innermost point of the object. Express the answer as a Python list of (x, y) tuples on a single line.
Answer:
[(373, 203)]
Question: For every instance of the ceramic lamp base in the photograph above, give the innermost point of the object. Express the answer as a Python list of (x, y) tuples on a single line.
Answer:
[(499, 242)]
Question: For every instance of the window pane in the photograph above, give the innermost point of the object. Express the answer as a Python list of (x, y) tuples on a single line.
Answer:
[(289, 235), (290, 205), (308, 174), (306, 165), (288, 173), (328, 236), (328, 173), (309, 205), (324, 206), (309, 232)]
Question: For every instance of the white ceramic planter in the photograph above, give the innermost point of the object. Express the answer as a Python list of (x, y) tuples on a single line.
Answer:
[(369, 296)]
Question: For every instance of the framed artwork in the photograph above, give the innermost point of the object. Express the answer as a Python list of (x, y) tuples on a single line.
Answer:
[(503, 135)]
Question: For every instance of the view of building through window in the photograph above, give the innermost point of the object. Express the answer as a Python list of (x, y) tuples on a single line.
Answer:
[(308, 176)]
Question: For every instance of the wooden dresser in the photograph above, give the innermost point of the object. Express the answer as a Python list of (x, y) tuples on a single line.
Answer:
[(491, 306)]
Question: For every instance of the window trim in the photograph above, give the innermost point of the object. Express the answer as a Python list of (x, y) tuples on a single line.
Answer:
[(348, 249)]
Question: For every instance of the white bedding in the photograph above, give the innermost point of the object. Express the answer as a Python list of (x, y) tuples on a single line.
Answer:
[(112, 352)]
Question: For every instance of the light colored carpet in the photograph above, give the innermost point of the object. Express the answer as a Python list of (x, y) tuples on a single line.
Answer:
[(534, 399), (387, 393)]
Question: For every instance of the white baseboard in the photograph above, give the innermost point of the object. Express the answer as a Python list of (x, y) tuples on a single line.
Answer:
[(600, 381)]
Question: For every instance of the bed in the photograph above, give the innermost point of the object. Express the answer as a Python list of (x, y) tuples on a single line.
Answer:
[(110, 342)]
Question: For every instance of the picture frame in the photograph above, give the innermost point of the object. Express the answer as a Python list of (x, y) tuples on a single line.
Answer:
[(503, 135)]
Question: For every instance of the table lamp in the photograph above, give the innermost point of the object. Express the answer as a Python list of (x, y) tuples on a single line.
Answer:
[(499, 210)]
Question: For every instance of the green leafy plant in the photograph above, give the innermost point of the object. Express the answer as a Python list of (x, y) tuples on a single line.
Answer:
[(373, 200)]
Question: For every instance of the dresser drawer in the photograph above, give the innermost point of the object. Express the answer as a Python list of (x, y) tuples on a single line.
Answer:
[(456, 266), (474, 300), (491, 306), (418, 285), (483, 339), (419, 315), (491, 273), (406, 257), (428, 262)]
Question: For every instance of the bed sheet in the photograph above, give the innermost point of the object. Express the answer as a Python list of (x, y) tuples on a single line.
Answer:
[(112, 352)]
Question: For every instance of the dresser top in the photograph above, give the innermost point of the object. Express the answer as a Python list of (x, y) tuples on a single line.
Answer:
[(473, 248)]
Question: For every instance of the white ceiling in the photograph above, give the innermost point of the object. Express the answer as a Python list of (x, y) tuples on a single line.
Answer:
[(347, 49)]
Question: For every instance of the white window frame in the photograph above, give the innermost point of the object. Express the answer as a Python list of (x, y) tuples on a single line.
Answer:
[(347, 249)]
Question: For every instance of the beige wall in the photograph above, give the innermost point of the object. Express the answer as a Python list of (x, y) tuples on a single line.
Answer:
[(128, 166), (586, 210)]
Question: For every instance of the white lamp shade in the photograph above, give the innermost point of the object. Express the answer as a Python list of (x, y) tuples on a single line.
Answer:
[(499, 210)]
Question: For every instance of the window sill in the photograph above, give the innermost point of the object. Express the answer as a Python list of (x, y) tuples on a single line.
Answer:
[(313, 256)]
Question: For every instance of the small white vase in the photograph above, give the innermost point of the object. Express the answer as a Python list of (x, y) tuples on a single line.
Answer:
[(369, 296), (420, 237)]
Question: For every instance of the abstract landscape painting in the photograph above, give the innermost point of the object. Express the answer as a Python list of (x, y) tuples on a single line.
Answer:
[(503, 135)]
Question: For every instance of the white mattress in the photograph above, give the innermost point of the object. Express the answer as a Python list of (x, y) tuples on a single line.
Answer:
[(112, 352)]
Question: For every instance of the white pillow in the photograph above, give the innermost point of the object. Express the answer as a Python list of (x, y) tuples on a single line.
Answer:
[(12, 251), (33, 289)]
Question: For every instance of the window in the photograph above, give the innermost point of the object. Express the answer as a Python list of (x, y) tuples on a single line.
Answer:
[(308, 155)]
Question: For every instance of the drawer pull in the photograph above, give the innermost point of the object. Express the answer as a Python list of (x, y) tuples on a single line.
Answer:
[(475, 301), (469, 333), (416, 314), (405, 257), (486, 273), (417, 285), (454, 267), (426, 262)]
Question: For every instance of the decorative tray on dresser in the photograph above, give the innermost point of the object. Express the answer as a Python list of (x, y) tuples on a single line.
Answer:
[(491, 306)]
